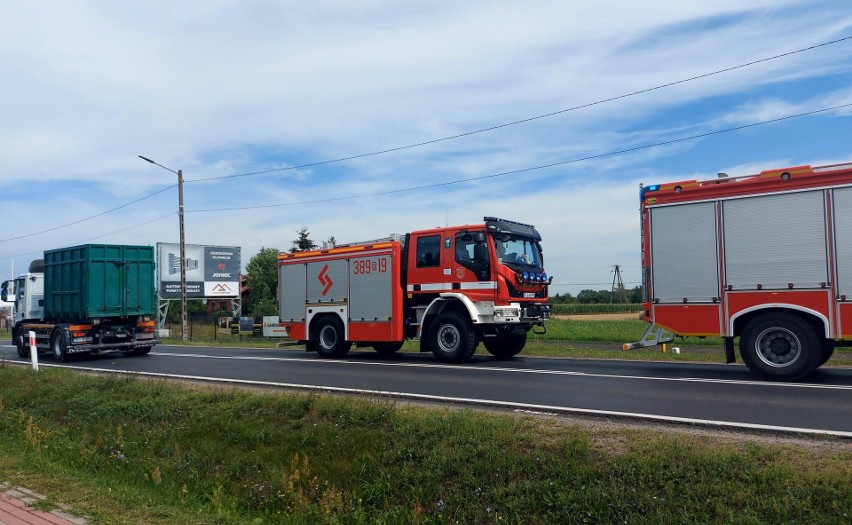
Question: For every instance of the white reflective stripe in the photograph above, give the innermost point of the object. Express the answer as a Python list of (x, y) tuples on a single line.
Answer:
[(432, 287), (436, 286), (483, 285)]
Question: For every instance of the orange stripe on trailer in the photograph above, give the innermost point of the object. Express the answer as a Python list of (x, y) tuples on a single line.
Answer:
[(79, 327), (795, 170), (335, 251)]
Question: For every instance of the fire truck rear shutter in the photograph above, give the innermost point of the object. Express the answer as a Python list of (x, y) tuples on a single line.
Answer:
[(684, 251), (843, 237), (774, 240)]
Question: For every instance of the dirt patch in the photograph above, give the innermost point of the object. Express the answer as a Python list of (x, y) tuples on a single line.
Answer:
[(599, 317)]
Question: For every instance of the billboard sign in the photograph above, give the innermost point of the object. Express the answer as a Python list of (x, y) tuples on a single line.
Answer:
[(211, 271)]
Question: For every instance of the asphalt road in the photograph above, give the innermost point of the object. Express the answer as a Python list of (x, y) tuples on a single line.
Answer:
[(688, 393)]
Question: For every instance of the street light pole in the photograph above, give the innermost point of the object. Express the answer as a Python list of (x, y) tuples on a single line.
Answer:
[(183, 323)]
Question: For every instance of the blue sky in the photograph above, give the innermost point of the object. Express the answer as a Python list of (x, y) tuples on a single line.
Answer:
[(222, 88)]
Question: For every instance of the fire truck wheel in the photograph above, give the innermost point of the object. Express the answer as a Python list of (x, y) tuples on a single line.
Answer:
[(453, 339), (827, 351), (506, 347), (780, 347), (57, 344), (387, 349), (22, 345), (328, 339)]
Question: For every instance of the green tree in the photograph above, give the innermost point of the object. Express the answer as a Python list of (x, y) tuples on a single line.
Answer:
[(636, 294), (332, 242), (262, 277), (562, 298), (589, 296), (304, 242)]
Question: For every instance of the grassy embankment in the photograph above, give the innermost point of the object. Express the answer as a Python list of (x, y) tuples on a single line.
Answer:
[(129, 451)]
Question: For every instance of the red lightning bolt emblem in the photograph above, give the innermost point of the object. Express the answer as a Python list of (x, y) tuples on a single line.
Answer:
[(325, 280)]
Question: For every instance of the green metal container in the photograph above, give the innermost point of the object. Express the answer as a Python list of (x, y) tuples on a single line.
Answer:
[(96, 281)]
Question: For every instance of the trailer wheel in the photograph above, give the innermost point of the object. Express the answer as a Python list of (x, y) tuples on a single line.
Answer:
[(780, 347), (139, 350), (452, 339), (506, 347), (22, 345), (329, 338), (387, 349), (58, 345)]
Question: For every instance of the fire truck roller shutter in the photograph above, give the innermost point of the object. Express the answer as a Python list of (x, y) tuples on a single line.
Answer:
[(774, 240), (370, 289), (684, 252), (843, 238), (328, 281), (292, 292)]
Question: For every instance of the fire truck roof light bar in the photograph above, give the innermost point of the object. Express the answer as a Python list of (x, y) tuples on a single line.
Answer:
[(495, 219)]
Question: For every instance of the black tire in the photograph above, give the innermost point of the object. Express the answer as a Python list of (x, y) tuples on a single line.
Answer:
[(139, 350), (827, 352), (58, 346), (780, 347), (387, 349), (22, 345), (452, 337), (506, 347), (329, 336)]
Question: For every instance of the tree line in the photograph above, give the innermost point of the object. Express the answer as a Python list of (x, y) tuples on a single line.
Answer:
[(589, 296)]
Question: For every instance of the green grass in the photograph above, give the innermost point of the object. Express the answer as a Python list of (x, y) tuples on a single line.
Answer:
[(606, 308), (127, 451)]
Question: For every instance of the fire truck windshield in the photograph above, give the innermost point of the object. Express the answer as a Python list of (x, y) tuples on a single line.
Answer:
[(517, 251)]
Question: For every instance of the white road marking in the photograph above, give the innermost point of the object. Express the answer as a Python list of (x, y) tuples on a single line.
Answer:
[(484, 402), (511, 370)]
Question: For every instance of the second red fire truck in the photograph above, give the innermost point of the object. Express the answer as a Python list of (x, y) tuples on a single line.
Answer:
[(451, 288), (765, 258)]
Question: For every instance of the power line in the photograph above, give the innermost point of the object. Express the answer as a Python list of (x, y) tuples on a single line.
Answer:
[(469, 179), (33, 234), (451, 137), (37, 252), (529, 119), (525, 170)]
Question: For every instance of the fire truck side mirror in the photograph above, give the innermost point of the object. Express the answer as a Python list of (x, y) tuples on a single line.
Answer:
[(478, 236)]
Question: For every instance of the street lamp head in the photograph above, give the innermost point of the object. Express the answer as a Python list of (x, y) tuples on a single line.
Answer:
[(156, 164)]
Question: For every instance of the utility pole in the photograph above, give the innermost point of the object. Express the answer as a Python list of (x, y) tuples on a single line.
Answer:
[(617, 284), (183, 323)]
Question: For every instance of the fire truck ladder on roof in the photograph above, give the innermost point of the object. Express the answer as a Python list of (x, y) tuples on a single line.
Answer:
[(654, 335)]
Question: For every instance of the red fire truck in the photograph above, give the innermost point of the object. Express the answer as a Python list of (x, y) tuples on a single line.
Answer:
[(451, 288), (766, 258)]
